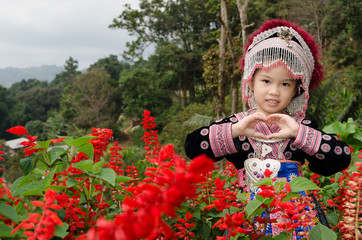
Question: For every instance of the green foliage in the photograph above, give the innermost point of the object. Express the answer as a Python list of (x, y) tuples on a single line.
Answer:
[(261, 10), (11, 165), (131, 155), (25, 85), (341, 27), (112, 66), (147, 92), (337, 98), (175, 131), (5, 106), (348, 131), (37, 128), (89, 100)]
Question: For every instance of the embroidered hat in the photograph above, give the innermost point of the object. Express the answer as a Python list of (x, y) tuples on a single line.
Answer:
[(279, 42)]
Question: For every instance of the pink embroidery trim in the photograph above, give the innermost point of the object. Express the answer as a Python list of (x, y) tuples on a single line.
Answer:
[(308, 139), (221, 140)]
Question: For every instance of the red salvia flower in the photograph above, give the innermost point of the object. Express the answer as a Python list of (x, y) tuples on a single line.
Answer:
[(143, 212), (115, 162), (57, 140), (1, 152), (43, 225), (267, 173), (18, 130), (101, 142)]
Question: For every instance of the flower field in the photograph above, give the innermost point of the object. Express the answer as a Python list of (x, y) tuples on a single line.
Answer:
[(84, 191)]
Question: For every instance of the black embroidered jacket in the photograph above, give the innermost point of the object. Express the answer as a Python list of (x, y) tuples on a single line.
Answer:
[(325, 153)]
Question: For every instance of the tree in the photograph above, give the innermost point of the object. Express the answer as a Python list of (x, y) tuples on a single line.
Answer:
[(141, 90), (341, 26), (6, 103), (185, 24), (220, 105), (112, 66), (88, 101), (39, 100), (65, 78), (24, 85)]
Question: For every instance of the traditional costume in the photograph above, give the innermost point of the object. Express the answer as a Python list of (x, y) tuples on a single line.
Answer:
[(277, 42)]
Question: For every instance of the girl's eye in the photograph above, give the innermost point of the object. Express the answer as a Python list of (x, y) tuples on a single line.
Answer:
[(265, 81), (286, 84)]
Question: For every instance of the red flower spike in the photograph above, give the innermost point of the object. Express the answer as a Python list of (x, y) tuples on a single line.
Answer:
[(267, 173), (201, 165), (18, 130), (57, 140)]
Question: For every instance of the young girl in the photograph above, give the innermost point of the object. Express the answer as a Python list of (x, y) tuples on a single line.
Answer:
[(280, 66)]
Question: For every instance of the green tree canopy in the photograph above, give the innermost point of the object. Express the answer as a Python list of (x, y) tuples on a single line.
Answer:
[(89, 100), (148, 92)]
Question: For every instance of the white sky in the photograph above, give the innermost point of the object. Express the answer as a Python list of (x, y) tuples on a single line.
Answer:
[(48, 32)]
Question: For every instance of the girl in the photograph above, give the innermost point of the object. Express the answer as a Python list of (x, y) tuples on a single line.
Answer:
[(280, 66)]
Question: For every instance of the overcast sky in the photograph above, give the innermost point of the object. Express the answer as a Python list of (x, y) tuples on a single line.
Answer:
[(47, 32)]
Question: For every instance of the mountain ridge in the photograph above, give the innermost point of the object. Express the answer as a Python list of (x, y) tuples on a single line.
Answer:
[(11, 75)]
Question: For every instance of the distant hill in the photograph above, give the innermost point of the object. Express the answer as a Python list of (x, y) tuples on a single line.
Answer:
[(11, 75)]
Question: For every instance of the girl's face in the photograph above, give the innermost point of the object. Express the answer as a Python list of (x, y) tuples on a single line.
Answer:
[(273, 89)]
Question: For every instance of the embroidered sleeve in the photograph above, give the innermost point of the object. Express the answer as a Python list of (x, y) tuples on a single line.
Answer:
[(308, 139), (221, 140)]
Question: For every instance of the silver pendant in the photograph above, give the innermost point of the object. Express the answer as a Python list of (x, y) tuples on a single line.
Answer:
[(255, 168)]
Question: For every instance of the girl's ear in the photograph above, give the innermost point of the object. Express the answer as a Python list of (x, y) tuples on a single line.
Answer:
[(251, 84)]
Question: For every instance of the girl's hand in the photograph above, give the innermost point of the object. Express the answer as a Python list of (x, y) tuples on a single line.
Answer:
[(245, 127), (288, 126)]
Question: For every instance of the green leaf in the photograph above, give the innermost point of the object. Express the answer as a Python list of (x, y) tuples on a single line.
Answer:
[(42, 166), (335, 187), (290, 196), (205, 230), (340, 128), (321, 232), (55, 153), (42, 145), (5, 231), (264, 181), (85, 165), (299, 184), (48, 180), (87, 149), (358, 135), (267, 238), (252, 206), (96, 166), (234, 209), (26, 165), (58, 188), (332, 218), (61, 230), (71, 183), (32, 188), (39, 172), (82, 140), (107, 175), (197, 214), (8, 212), (21, 182), (68, 141), (123, 179), (349, 132), (282, 236), (83, 175)]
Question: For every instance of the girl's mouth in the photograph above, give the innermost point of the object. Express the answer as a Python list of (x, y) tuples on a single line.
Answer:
[(272, 101)]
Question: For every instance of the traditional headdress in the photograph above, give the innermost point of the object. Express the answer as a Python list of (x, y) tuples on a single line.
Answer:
[(282, 42)]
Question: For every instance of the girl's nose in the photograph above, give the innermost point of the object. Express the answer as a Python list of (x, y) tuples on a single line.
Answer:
[(274, 90)]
